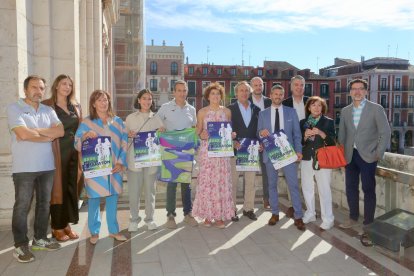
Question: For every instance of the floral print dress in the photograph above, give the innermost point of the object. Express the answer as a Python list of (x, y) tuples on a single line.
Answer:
[(213, 199)]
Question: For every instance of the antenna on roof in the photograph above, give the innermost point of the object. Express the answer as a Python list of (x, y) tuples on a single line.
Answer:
[(242, 51), (208, 51)]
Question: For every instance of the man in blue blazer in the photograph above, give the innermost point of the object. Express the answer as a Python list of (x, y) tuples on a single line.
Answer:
[(289, 122)]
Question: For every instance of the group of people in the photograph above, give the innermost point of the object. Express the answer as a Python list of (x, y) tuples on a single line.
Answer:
[(55, 130)]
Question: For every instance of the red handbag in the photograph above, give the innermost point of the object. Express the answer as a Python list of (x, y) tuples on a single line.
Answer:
[(331, 157)]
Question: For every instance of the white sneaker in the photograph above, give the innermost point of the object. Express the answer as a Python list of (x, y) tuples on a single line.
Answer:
[(326, 226), (133, 226), (306, 219), (152, 226)]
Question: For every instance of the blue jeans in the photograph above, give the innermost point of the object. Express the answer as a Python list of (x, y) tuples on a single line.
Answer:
[(291, 176), (185, 196), (356, 168), (24, 185), (94, 214)]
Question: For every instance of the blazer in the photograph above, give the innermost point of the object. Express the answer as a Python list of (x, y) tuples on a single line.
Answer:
[(372, 136), (326, 125), (267, 101), (289, 101), (238, 124), (291, 127)]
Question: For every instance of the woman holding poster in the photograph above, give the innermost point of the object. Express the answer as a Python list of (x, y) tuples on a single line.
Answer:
[(140, 121), (103, 123), (68, 177), (213, 199)]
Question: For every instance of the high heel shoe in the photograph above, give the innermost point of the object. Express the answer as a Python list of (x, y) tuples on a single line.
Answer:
[(60, 235), (118, 237), (70, 233)]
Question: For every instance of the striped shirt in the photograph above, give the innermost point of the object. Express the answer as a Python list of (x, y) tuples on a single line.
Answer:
[(356, 112)]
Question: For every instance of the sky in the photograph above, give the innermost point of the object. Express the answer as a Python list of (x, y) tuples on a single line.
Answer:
[(306, 33)]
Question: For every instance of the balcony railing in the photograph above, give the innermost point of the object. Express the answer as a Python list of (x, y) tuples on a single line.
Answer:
[(403, 105)]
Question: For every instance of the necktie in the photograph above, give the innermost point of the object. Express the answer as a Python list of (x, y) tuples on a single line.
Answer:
[(277, 123)]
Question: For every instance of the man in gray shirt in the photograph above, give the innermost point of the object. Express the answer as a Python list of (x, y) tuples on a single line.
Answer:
[(176, 115), (33, 127)]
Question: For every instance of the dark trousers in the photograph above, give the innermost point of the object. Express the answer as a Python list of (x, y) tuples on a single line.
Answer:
[(185, 196), (353, 171), (24, 185)]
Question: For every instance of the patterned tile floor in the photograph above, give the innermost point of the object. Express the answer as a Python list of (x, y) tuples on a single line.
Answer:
[(243, 248)]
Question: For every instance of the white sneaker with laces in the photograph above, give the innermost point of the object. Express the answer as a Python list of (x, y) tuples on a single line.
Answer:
[(308, 218)]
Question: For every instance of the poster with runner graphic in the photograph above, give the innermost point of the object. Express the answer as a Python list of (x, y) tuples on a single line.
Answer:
[(279, 150), (147, 149), (177, 154), (220, 142), (96, 157), (247, 156)]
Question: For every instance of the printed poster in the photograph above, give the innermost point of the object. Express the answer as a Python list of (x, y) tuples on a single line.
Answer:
[(247, 156), (279, 150), (96, 157), (147, 149), (220, 143), (177, 154)]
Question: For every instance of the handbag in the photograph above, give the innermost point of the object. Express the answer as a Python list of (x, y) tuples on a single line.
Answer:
[(330, 157)]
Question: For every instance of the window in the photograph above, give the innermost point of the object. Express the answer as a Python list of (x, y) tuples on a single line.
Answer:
[(398, 84), (153, 85), (338, 86), (205, 70), (222, 83), (410, 119), (174, 68), (349, 100), (337, 101), (411, 101), (260, 72), (190, 70), (384, 101), (397, 101), (337, 117), (325, 90), (219, 71), (232, 85), (308, 89), (233, 71), (411, 84), (153, 68), (396, 119), (172, 82), (383, 85), (246, 72), (191, 88), (192, 101)]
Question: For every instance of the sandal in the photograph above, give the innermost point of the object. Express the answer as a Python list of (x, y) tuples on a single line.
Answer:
[(60, 235), (70, 233), (366, 241)]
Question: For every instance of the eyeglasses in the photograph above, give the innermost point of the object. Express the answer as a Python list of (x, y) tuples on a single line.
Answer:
[(358, 89)]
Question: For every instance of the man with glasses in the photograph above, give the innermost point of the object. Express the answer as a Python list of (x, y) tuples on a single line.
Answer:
[(365, 133)]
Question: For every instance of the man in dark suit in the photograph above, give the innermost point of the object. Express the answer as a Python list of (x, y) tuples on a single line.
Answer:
[(296, 101), (244, 116), (279, 117), (257, 98)]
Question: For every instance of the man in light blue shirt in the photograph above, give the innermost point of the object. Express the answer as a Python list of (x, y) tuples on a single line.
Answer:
[(33, 127), (178, 114)]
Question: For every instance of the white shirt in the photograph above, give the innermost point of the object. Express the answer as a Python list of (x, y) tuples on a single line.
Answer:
[(273, 117), (300, 108), (260, 103)]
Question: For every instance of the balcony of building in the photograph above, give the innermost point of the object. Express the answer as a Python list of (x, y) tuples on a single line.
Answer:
[(243, 248)]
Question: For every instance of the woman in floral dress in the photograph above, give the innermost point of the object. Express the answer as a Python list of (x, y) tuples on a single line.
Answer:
[(213, 200)]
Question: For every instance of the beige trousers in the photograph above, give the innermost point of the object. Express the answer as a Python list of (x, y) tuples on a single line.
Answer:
[(249, 187)]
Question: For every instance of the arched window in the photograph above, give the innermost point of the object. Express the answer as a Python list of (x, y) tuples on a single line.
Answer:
[(153, 68), (174, 68)]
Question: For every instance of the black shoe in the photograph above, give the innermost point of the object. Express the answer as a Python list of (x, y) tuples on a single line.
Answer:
[(250, 215), (235, 218)]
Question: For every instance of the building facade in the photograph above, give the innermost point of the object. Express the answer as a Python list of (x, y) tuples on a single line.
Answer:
[(391, 84), (198, 76), (129, 55), (49, 38), (164, 66)]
